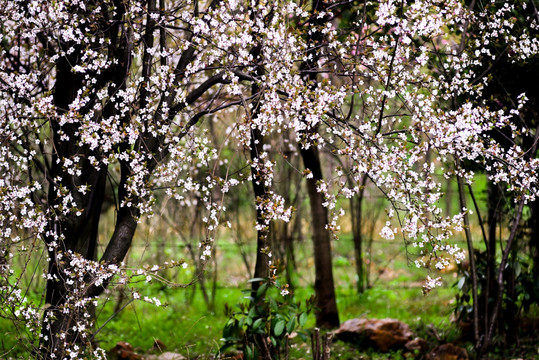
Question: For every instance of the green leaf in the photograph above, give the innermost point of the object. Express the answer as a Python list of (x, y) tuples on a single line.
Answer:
[(227, 331), (518, 269), (273, 305), (291, 324), (279, 327), (303, 319), (257, 324), (461, 283), (249, 353), (261, 290)]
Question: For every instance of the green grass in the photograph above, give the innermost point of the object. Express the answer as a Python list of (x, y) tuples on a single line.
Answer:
[(186, 326)]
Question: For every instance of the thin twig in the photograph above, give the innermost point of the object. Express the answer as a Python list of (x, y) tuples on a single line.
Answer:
[(473, 272)]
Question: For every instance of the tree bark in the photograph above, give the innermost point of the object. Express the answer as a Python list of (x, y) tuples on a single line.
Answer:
[(327, 315)]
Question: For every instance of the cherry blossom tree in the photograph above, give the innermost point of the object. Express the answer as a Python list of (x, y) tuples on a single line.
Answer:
[(112, 94)]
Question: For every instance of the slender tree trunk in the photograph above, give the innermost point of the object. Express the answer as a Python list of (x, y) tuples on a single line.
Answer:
[(259, 188), (261, 265), (533, 222), (357, 228), (449, 196), (509, 315), (327, 315), (295, 236)]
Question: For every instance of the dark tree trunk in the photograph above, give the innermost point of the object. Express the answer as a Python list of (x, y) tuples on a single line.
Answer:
[(68, 233), (259, 188), (509, 315), (261, 265), (294, 236), (80, 237), (357, 227), (327, 315), (77, 234)]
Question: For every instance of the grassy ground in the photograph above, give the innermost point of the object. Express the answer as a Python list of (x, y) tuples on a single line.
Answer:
[(188, 326), (191, 329)]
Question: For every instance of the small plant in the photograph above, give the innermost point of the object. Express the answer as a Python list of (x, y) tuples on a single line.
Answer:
[(261, 327)]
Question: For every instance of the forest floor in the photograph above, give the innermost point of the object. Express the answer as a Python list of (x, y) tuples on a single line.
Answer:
[(187, 324), (192, 327)]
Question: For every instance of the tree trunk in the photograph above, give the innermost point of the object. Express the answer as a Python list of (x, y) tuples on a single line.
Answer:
[(327, 315), (78, 233), (68, 233), (259, 188), (261, 265), (357, 227), (80, 237)]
